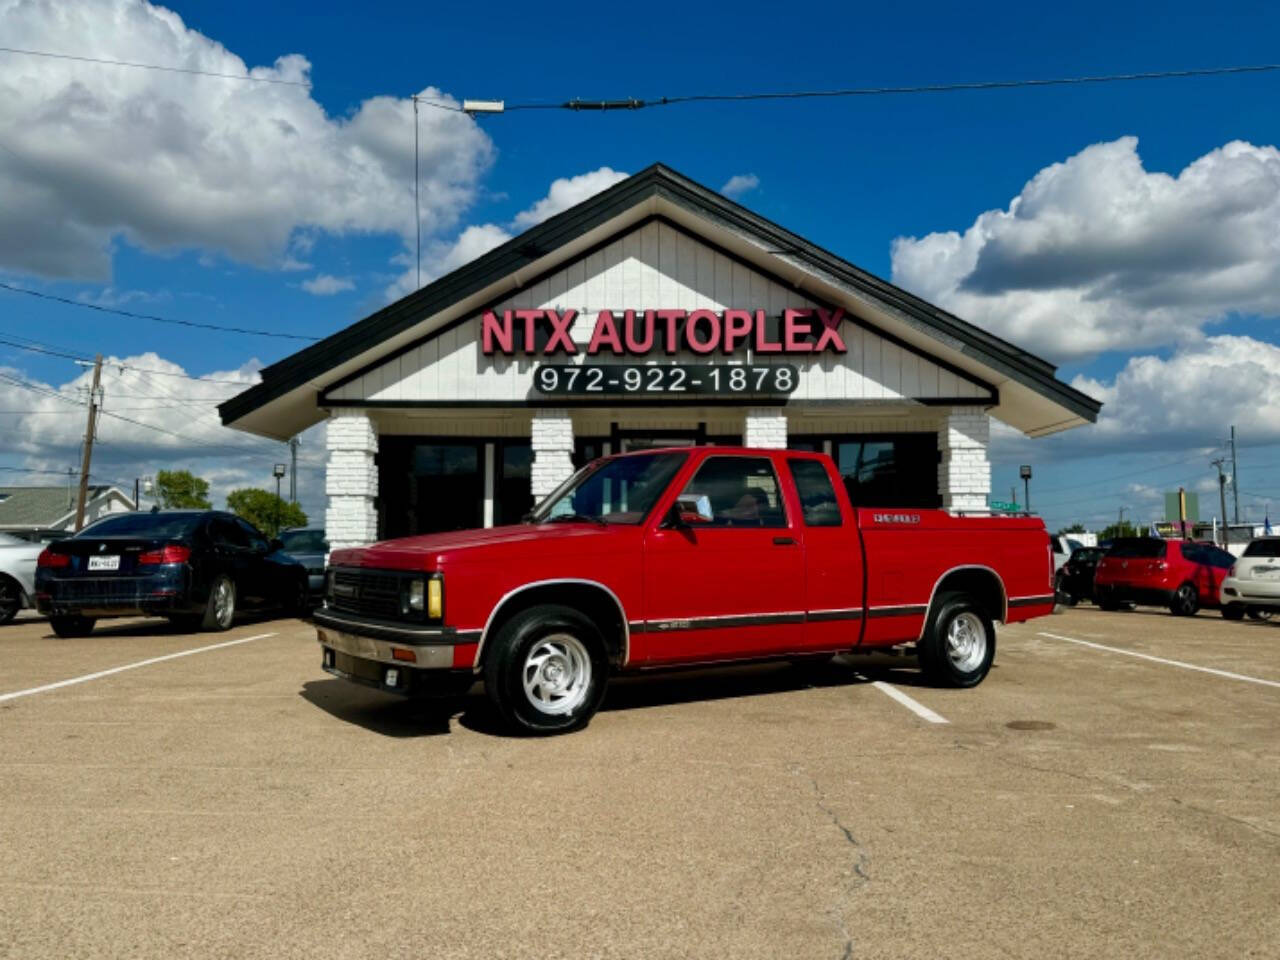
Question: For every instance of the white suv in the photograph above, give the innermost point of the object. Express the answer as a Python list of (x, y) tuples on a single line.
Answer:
[(1252, 585)]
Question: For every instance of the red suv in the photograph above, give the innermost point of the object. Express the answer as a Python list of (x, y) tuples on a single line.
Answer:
[(1183, 575)]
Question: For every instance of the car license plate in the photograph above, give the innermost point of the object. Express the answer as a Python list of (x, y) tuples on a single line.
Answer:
[(104, 563)]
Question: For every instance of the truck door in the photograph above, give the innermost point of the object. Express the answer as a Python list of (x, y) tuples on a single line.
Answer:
[(730, 584), (832, 559)]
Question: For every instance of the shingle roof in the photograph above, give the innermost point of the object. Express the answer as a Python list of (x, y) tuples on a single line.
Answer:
[(39, 506)]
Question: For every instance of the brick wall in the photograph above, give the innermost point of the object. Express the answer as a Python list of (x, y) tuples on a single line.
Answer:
[(351, 481), (765, 427), (964, 474), (552, 442)]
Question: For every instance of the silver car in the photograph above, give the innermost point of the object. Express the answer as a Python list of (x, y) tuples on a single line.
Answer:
[(17, 575)]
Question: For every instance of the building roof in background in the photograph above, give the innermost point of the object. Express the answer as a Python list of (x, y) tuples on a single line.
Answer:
[(31, 507)]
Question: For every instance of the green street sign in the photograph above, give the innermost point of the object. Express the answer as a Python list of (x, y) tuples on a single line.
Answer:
[(1003, 505)]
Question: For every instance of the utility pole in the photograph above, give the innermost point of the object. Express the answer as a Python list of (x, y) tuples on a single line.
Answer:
[(88, 442), (278, 472), (1235, 482), (1222, 495), (293, 469)]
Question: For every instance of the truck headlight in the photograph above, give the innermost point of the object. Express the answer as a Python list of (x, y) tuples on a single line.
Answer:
[(417, 595)]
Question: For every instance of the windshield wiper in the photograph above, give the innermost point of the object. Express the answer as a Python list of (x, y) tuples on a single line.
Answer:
[(576, 518)]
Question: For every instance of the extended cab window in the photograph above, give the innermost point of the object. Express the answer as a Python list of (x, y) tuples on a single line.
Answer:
[(817, 495), (742, 492)]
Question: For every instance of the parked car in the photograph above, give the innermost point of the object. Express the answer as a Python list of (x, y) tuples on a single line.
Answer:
[(195, 567), (1074, 581), (1061, 552), (677, 558), (1183, 575), (308, 546), (17, 575), (1252, 585)]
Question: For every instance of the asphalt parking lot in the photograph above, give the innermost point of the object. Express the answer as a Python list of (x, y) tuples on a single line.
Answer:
[(239, 802)]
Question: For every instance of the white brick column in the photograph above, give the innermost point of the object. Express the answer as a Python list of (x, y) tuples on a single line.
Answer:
[(351, 480), (964, 474), (552, 442), (766, 427)]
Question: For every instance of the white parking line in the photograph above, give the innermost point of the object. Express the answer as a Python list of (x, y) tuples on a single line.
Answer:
[(915, 706), (130, 666), (1172, 663)]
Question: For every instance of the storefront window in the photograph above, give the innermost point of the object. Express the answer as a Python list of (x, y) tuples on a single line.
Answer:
[(428, 486), (513, 490), (883, 469)]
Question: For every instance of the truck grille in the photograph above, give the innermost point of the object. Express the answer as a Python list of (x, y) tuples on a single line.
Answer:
[(367, 593)]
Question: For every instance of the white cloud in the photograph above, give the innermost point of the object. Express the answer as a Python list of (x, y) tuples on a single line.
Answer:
[(152, 421), (167, 161), (1097, 253), (567, 192), (325, 285), (441, 257), (739, 184), (1192, 397)]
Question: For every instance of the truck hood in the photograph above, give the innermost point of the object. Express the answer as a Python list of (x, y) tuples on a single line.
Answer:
[(418, 553)]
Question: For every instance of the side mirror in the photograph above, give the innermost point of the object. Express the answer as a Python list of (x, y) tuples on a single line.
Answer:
[(691, 511)]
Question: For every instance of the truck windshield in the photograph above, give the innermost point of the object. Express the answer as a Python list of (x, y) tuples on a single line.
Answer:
[(616, 490)]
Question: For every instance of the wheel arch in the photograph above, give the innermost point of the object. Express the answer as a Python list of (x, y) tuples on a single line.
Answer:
[(978, 581), (591, 597)]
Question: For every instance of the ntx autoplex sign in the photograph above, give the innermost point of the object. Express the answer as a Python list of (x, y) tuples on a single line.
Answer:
[(637, 333)]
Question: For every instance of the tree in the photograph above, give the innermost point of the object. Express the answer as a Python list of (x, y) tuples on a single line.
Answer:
[(183, 490), (1074, 528), (1125, 529), (265, 510)]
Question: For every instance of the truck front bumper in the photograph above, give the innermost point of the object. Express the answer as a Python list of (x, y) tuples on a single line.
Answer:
[(406, 660)]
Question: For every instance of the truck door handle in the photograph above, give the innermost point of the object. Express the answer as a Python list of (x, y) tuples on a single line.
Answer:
[(784, 542)]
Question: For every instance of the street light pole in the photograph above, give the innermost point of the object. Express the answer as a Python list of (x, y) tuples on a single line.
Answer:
[(1024, 471), (278, 471)]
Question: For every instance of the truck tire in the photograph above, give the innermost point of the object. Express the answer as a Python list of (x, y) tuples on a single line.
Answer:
[(1185, 601), (1233, 611), (73, 626), (959, 642), (546, 671), (220, 608)]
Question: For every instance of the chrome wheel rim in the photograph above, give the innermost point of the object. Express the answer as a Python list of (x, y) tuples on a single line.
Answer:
[(966, 642), (556, 674), (224, 604)]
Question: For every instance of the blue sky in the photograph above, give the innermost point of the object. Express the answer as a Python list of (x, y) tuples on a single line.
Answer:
[(851, 175)]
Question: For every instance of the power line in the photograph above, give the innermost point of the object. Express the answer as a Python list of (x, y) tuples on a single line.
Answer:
[(147, 316), (35, 346), (153, 66), (631, 103)]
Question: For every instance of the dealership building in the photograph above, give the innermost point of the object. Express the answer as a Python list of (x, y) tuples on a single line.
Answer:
[(656, 313)]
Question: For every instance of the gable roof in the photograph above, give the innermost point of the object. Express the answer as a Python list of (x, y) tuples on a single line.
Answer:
[(532, 251), (31, 507)]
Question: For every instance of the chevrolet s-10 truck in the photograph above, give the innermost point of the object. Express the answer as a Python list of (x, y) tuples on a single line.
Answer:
[(677, 557)]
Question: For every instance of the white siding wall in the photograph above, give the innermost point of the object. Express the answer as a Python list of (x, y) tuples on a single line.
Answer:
[(655, 267)]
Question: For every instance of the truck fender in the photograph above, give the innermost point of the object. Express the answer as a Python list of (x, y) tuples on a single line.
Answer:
[(1001, 610), (622, 656)]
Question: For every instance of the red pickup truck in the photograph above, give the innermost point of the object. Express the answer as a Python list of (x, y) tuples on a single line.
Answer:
[(677, 557)]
